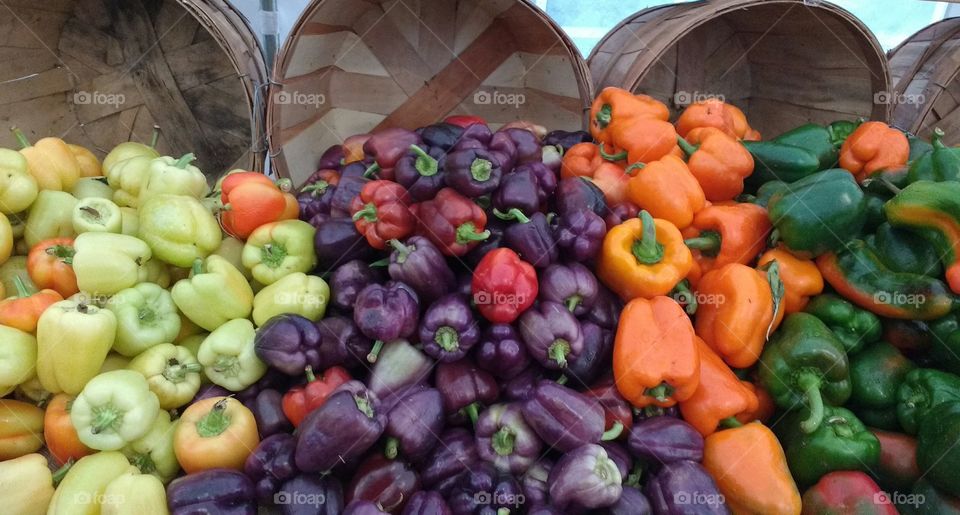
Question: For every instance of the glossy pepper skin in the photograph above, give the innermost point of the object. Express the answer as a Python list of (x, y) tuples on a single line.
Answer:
[(665, 439), (146, 316), (506, 440), (670, 174), (580, 234), (381, 213), (655, 358), (294, 294), (345, 427), (606, 173), (873, 146), (531, 237), (387, 146), (414, 423), (288, 343), (91, 333), (718, 161), (19, 350), (804, 364), (585, 477), (643, 257), (575, 194), (714, 112), (50, 216), (270, 465), (594, 359), (846, 491), (49, 265), (278, 249), (720, 395), (385, 313), (876, 374), (616, 107), (58, 432), (922, 391), (897, 470), (451, 221), (51, 161), (19, 188), (107, 263), (215, 293), (905, 250), (301, 400), (503, 286), (23, 309), (341, 343), (212, 491), (386, 482), (572, 285), (448, 330), (940, 163), (502, 352), (400, 366), (348, 279), (315, 194), (930, 208), (728, 233), (171, 371), (473, 171), (229, 357), (178, 229), (552, 335), (818, 213), (22, 429), (563, 418), (682, 485), (801, 278), (841, 442), (456, 454), (114, 408), (267, 408), (418, 263), (936, 455), (26, 484)]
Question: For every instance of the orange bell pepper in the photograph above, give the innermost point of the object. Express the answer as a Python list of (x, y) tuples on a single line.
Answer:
[(644, 139), (751, 470), (353, 148), (655, 358), (667, 189), (716, 113), (250, 199), (643, 257), (49, 266), (23, 310), (21, 429), (728, 232), (765, 405), (218, 432), (587, 160), (872, 147), (738, 310), (619, 107), (718, 161), (87, 161), (58, 431), (720, 396), (801, 278)]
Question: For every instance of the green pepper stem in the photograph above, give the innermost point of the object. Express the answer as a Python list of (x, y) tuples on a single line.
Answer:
[(62, 252), (316, 189), (143, 462), (606, 469), (472, 412), (558, 351), (368, 213), (403, 251), (647, 250), (633, 478), (709, 242), (61, 472), (652, 411), (562, 380), (425, 164), (392, 448), (613, 433), (810, 385), (377, 347), (661, 392), (105, 417), (311, 377), (22, 290), (197, 267), (635, 166), (936, 138), (619, 156), (730, 422), (683, 295), (467, 233), (447, 338), (840, 426), (503, 511), (481, 170), (185, 160), (371, 171), (363, 404), (686, 146), (777, 290), (774, 238), (572, 302), (512, 214), (175, 371), (21, 137), (155, 136), (215, 422), (503, 441), (273, 254), (604, 116)]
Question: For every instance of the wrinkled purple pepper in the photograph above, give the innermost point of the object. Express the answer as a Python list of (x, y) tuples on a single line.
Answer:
[(448, 329), (418, 263), (552, 334), (580, 234), (386, 312), (288, 343), (348, 279), (501, 352)]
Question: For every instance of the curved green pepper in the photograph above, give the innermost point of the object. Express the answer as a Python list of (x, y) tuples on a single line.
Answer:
[(941, 163), (903, 250), (854, 327), (921, 391), (842, 442), (876, 375)]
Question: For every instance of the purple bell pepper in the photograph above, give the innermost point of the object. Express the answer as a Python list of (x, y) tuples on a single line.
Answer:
[(505, 440), (400, 365), (271, 464), (456, 454), (353, 177), (522, 386), (421, 172), (546, 180), (448, 329), (485, 490), (518, 190), (585, 477), (552, 335), (665, 440), (577, 193), (315, 198), (504, 150), (535, 484), (288, 343), (220, 491), (309, 494), (272, 380), (473, 172), (580, 234), (414, 423), (341, 343), (386, 312), (464, 386), (418, 263), (501, 352), (619, 213), (337, 241), (388, 483), (606, 310), (331, 159), (620, 456), (531, 237), (474, 136), (348, 279), (210, 390), (495, 227), (631, 502), (527, 144), (595, 356), (267, 408), (363, 507), (442, 135), (572, 285), (684, 486), (566, 139), (426, 502), (344, 427), (563, 418), (386, 147)]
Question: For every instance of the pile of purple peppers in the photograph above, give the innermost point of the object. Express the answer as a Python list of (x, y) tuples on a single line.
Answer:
[(448, 413)]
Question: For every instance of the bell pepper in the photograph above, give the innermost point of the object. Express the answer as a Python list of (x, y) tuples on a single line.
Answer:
[(643, 257), (218, 432), (228, 356), (935, 501), (18, 350), (718, 161), (134, 493), (23, 310), (781, 161), (50, 266), (666, 189), (172, 372), (21, 429), (92, 187), (178, 229), (937, 455), (419, 172), (503, 286), (222, 491), (854, 327), (552, 335), (585, 477), (897, 470), (804, 364), (728, 233), (381, 213), (153, 452), (564, 418), (932, 209), (89, 331), (586, 160), (801, 278), (114, 409), (684, 487), (250, 200), (58, 431), (530, 237), (720, 396), (905, 250), (615, 108), (50, 216), (96, 215), (822, 142), (278, 249), (51, 162), (474, 172), (344, 428), (106, 263), (416, 263), (26, 485), (454, 223), (922, 391), (873, 146), (126, 166), (146, 316), (289, 344), (876, 374), (719, 114), (818, 213), (739, 310), (841, 442), (297, 294), (939, 341), (301, 400), (215, 293), (18, 188), (847, 491), (655, 358), (448, 329), (939, 163), (83, 490), (858, 274), (170, 176)]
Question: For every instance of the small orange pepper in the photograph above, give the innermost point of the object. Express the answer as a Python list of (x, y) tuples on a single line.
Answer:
[(720, 396), (59, 433), (251, 199), (587, 160), (49, 266), (872, 147), (801, 278), (353, 148), (23, 310), (728, 232), (718, 161), (616, 107), (716, 113), (218, 432), (667, 189)]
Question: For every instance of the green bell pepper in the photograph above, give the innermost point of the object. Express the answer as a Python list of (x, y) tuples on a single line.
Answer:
[(106, 263), (146, 316), (73, 339), (818, 213), (874, 211), (841, 442), (903, 250), (18, 358), (178, 229), (923, 390), (941, 163), (821, 141), (153, 452), (51, 216), (853, 326), (804, 364), (929, 500), (114, 409), (94, 214), (944, 343), (169, 176), (840, 130), (876, 374), (775, 160), (299, 294), (228, 356), (172, 372), (938, 453), (279, 248), (918, 147), (215, 293)]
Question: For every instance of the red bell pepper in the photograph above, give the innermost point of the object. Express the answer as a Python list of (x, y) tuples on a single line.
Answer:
[(452, 222), (387, 147), (381, 214), (49, 264), (251, 199), (898, 468), (616, 410), (301, 400), (504, 286), (847, 492), (463, 120)]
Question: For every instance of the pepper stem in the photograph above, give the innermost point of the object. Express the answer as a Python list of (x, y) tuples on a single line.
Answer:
[(730, 422), (22, 290), (647, 249), (653, 411), (143, 462), (403, 251), (311, 377), (503, 511), (633, 478), (613, 433), (197, 267), (215, 422), (392, 448), (316, 189), (619, 156), (774, 238), (155, 136), (572, 302), (562, 380), (447, 338), (273, 254), (185, 160), (606, 469), (503, 441), (810, 384), (364, 405), (61, 472), (604, 115), (467, 232), (687, 147), (106, 417), (367, 213), (682, 294), (661, 392), (472, 412), (481, 170), (840, 426), (371, 171), (175, 371), (21, 137), (635, 166), (708, 243), (512, 214), (425, 164), (375, 351), (777, 290), (62, 252), (558, 351), (936, 138)]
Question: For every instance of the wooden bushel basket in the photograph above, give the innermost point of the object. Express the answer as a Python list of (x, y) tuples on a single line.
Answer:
[(926, 92), (101, 72), (353, 66), (784, 62)]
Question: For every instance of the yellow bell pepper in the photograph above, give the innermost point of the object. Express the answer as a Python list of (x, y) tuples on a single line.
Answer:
[(18, 358), (26, 485), (83, 489), (114, 409), (6, 238), (131, 149), (106, 263), (134, 494), (298, 293), (153, 452), (73, 339), (21, 429), (18, 189), (95, 214), (215, 293), (167, 175), (86, 160), (126, 167), (115, 361), (129, 221), (51, 216), (88, 187), (178, 229), (51, 162)]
